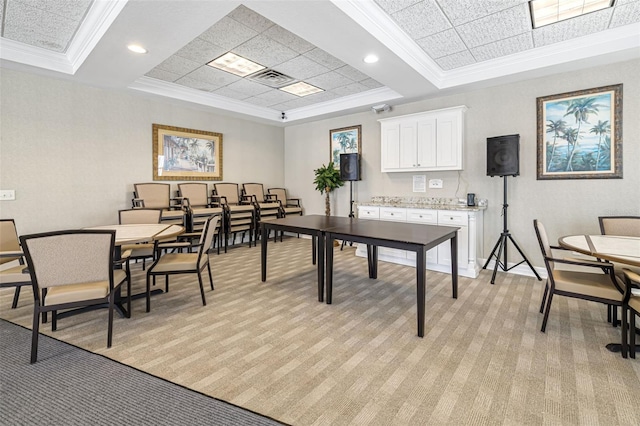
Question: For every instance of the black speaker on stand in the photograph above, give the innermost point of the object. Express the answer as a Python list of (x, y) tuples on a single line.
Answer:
[(503, 160), (350, 171)]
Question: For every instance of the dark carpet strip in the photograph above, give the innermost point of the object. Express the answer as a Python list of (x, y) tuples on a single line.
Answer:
[(71, 386)]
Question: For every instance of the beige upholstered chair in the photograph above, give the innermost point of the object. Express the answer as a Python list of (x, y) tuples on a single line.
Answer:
[(238, 217), (288, 206), (597, 287), (630, 308), (199, 207), (158, 196), (267, 207), (72, 269), (628, 226), (142, 251), (185, 263), (10, 251)]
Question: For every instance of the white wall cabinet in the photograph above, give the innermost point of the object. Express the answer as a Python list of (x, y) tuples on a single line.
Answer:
[(425, 141), (470, 237)]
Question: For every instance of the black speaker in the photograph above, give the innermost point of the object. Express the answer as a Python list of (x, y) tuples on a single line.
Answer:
[(349, 166), (503, 155)]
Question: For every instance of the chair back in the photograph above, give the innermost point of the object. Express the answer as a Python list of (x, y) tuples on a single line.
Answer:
[(8, 239), (154, 195), (281, 195), (543, 240), (135, 216), (195, 192), (229, 191), (628, 226), (255, 191), (69, 257), (208, 232)]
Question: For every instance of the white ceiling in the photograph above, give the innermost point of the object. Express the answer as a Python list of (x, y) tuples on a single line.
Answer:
[(427, 48)]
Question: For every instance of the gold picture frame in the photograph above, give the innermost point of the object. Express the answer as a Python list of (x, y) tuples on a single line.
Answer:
[(580, 134), (186, 154), (346, 140)]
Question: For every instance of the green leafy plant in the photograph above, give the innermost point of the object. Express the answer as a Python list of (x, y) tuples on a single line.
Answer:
[(327, 179)]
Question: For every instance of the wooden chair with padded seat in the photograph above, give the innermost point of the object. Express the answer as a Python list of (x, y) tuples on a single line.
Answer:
[(267, 207), (10, 251), (72, 269), (142, 251), (158, 196), (199, 207), (630, 308), (185, 263), (238, 217), (597, 287)]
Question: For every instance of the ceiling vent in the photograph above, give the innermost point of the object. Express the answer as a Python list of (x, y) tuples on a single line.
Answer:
[(271, 78)]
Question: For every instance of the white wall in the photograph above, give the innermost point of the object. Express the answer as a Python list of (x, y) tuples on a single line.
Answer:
[(564, 206), (73, 152)]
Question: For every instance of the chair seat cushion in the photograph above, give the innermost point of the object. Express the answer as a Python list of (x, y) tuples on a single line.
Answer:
[(205, 211), (175, 262), (14, 275), (292, 210), (268, 206), (595, 285), (82, 291), (241, 208), (634, 302)]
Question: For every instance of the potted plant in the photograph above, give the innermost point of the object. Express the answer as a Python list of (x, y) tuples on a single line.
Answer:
[(327, 179)]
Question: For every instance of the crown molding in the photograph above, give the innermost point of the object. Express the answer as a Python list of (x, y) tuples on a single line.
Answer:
[(34, 56), (98, 20)]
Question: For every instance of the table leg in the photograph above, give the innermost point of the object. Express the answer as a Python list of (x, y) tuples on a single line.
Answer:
[(263, 253), (454, 265), (329, 261), (319, 248), (372, 260), (314, 241), (421, 272)]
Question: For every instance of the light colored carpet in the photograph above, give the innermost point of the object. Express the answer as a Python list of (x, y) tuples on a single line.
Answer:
[(273, 348)]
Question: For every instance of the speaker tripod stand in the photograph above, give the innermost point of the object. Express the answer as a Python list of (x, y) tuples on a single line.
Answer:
[(501, 245), (351, 214)]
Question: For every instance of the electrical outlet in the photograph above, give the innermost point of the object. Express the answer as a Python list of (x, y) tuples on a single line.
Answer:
[(435, 183), (7, 194)]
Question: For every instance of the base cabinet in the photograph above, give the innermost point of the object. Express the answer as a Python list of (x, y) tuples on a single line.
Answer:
[(470, 237)]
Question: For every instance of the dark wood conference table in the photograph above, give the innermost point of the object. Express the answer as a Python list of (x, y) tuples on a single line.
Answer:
[(406, 236)]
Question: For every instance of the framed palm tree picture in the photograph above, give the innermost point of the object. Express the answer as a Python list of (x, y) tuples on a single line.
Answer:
[(186, 154), (346, 140), (580, 134)]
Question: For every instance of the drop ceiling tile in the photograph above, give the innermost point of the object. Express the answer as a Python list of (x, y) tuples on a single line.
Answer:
[(293, 104), (422, 19), (321, 97), (230, 93), (288, 39), (275, 96), (350, 89), (200, 51), (572, 28), (625, 14), (216, 78), (178, 65), (371, 83), (163, 75), (301, 68), (265, 51), (460, 12), (393, 6), (501, 25), (456, 60), (70, 9), (504, 47), (248, 88), (228, 33), (1, 15), (250, 19), (329, 81), (323, 58), (28, 36), (352, 73), (442, 44), (196, 84), (258, 101)]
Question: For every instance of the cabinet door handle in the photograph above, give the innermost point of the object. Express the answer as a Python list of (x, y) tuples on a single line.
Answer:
[(414, 165), (418, 165)]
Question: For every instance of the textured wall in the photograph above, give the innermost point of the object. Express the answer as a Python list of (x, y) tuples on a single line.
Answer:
[(564, 206), (73, 152)]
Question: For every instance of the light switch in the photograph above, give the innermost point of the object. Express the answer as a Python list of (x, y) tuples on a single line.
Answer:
[(7, 194)]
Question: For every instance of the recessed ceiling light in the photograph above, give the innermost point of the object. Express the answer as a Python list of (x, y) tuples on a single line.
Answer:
[(301, 89), (545, 12), (136, 48), (230, 62), (371, 59)]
